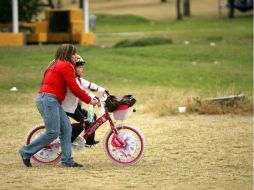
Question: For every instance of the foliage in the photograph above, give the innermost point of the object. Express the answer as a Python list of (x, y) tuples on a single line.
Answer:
[(122, 19), (27, 10), (143, 42)]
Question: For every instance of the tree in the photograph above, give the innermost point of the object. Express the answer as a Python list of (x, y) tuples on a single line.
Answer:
[(43, 4), (59, 3), (231, 4), (178, 10), (81, 4), (27, 10), (186, 8)]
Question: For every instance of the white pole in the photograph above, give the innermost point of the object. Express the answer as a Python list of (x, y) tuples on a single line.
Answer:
[(15, 16), (86, 15)]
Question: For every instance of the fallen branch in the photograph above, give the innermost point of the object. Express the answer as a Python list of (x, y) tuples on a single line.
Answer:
[(226, 98)]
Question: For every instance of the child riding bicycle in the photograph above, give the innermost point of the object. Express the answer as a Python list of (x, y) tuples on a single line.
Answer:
[(72, 104)]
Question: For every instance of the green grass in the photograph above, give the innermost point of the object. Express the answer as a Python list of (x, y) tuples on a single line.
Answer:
[(198, 65), (167, 65), (194, 29)]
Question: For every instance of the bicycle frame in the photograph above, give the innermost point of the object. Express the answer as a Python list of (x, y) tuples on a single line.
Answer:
[(98, 122)]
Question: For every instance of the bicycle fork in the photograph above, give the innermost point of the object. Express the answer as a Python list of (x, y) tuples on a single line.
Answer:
[(96, 124)]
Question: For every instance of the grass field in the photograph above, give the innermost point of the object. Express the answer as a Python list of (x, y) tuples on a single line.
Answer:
[(183, 151)]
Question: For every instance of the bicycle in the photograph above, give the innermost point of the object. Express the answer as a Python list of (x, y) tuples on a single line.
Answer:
[(123, 143)]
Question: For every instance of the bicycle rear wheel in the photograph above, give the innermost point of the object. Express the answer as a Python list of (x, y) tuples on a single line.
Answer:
[(133, 150), (51, 154)]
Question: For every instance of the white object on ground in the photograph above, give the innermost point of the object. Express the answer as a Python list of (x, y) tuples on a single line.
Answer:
[(182, 109), (186, 42), (14, 89), (212, 44), (216, 62)]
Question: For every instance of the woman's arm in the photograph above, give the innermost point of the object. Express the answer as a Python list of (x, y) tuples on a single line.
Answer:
[(67, 72)]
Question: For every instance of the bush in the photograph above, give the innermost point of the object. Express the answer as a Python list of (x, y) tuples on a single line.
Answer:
[(120, 19), (233, 106), (142, 42), (27, 10)]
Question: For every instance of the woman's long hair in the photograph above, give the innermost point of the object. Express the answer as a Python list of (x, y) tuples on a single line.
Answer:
[(64, 53)]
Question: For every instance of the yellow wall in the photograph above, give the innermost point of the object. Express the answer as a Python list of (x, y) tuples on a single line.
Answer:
[(11, 39), (41, 37), (84, 38), (40, 32)]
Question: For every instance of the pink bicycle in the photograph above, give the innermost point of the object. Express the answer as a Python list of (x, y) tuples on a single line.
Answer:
[(123, 143)]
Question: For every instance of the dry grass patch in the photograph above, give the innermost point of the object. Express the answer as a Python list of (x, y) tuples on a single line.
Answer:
[(233, 106), (182, 152), (162, 102)]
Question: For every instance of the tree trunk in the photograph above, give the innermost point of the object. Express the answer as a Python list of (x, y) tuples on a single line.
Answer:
[(178, 10), (231, 9), (81, 4), (59, 4), (186, 8)]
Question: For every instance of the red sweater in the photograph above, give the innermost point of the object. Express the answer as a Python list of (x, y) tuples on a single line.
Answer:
[(60, 76)]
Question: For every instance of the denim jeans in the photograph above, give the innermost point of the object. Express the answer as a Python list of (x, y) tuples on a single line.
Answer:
[(56, 123)]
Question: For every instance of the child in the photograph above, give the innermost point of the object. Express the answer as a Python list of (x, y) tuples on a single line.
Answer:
[(72, 105)]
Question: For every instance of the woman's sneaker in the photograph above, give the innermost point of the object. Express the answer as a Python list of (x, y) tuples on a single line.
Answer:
[(26, 161), (73, 165)]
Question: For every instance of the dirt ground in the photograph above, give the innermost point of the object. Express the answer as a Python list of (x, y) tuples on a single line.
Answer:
[(182, 152), (150, 9)]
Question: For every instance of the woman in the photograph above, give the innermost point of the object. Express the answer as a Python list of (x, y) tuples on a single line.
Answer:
[(58, 76)]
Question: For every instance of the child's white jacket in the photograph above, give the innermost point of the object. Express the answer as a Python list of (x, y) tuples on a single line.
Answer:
[(70, 101)]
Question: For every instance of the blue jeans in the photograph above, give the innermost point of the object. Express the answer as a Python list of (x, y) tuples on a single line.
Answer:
[(56, 123)]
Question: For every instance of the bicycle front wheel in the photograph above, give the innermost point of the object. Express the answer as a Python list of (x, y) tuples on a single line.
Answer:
[(133, 149)]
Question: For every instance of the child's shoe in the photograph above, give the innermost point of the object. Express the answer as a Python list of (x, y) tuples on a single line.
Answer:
[(92, 143)]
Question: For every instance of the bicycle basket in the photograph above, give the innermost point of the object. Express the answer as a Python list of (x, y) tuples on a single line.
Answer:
[(113, 102), (121, 112)]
